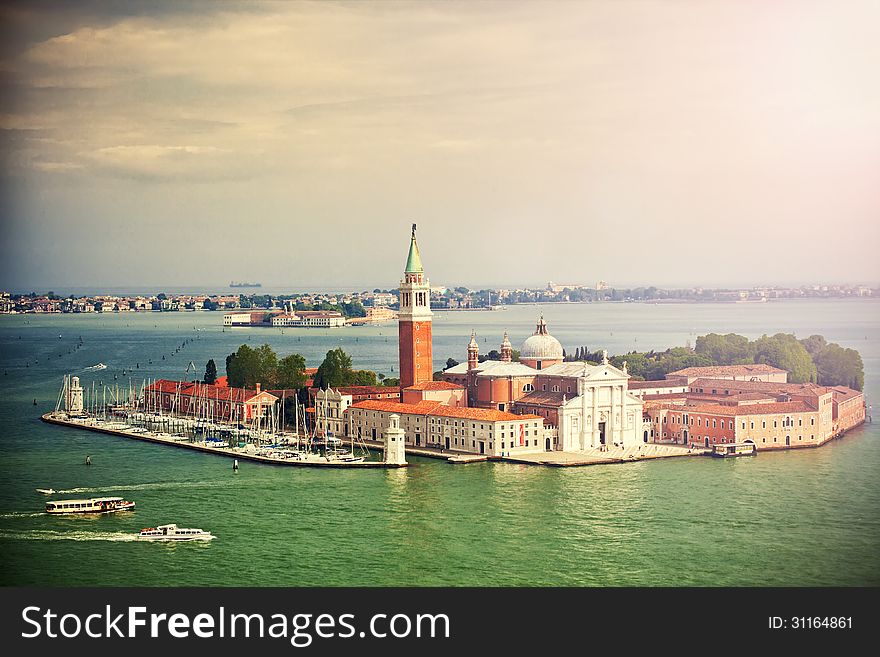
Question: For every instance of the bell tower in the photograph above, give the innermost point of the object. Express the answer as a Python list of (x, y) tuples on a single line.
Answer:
[(506, 349), (414, 325)]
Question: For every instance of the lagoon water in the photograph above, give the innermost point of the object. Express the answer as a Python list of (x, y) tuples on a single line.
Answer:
[(806, 517)]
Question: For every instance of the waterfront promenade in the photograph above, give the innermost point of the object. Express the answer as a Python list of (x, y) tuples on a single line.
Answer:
[(590, 456)]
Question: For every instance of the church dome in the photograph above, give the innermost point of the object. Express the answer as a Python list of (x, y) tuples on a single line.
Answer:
[(541, 345)]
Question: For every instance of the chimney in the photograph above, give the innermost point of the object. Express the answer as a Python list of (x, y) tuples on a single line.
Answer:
[(258, 388)]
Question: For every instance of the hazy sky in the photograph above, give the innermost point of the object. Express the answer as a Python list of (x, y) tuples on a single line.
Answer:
[(295, 142)]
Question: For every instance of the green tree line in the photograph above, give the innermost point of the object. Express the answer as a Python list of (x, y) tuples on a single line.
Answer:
[(812, 359)]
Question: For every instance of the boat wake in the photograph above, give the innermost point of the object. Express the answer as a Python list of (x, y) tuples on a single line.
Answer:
[(159, 485), (21, 514), (50, 535)]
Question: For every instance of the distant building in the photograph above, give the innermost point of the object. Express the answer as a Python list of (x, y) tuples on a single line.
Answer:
[(378, 314), (310, 319)]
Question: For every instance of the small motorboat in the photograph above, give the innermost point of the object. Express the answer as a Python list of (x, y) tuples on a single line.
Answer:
[(46, 491), (174, 533)]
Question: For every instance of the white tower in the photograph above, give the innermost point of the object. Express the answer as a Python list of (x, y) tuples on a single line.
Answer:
[(395, 442), (74, 401)]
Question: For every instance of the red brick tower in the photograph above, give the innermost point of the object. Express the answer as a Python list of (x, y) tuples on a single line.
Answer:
[(414, 326)]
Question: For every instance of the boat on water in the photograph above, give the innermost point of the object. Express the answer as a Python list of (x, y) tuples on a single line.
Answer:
[(94, 505), (95, 368), (729, 450), (174, 533), (334, 451), (46, 491)]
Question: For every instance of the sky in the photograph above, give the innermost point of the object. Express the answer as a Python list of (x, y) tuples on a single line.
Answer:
[(294, 143)]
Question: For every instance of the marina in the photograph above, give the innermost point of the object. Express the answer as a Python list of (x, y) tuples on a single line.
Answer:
[(273, 456)]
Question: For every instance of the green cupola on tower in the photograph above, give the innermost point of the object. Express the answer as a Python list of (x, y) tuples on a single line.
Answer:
[(414, 261)]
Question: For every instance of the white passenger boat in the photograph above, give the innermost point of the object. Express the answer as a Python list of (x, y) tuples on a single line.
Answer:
[(174, 533), (94, 505)]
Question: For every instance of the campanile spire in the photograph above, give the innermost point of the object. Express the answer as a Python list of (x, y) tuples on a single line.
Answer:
[(414, 324)]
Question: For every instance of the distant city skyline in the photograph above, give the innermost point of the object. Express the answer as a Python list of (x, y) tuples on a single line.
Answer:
[(184, 145)]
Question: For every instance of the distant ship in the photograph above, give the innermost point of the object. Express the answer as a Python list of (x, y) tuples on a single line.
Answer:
[(242, 284)]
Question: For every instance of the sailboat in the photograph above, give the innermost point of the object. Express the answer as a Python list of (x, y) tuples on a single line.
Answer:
[(334, 449)]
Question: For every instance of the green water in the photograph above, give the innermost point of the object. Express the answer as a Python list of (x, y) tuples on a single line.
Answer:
[(806, 517)]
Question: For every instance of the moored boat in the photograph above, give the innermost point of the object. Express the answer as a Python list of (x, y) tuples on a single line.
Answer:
[(728, 450), (94, 505), (174, 533)]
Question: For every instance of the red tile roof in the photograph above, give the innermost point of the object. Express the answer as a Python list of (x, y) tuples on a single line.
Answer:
[(744, 409), (436, 385), (481, 414), (637, 385), (754, 386), (842, 393), (727, 370), (388, 406), (190, 389), (438, 409)]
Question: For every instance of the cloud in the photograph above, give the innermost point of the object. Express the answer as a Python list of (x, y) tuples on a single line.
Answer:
[(661, 125), (164, 163)]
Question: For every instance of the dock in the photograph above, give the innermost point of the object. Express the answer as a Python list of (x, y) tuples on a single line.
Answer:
[(557, 459), (229, 452)]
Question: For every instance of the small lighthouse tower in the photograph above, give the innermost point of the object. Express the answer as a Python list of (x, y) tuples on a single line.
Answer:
[(395, 442), (74, 399)]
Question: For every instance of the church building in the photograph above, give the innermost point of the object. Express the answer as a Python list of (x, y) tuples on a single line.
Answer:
[(587, 405)]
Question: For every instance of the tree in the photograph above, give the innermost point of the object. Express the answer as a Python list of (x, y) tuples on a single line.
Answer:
[(243, 369), (267, 367), (814, 345), (785, 352), (210, 372), (362, 378), (334, 371), (390, 382), (451, 362), (730, 349), (291, 372), (837, 366)]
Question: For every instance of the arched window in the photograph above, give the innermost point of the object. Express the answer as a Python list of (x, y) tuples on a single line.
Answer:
[(528, 388)]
